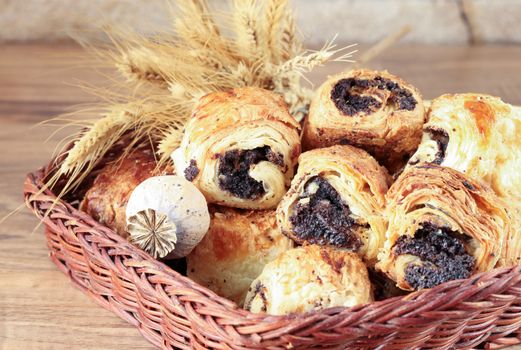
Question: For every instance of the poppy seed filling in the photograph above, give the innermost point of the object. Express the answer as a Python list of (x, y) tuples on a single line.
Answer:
[(322, 217), (191, 171), (442, 139), (234, 168), (259, 290), (347, 94), (443, 256)]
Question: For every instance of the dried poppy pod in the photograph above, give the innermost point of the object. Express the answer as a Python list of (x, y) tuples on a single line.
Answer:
[(240, 148), (373, 110), (442, 226), (167, 216)]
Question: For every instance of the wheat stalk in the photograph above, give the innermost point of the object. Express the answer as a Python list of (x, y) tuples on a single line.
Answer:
[(198, 9), (280, 30), (197, 31), (195, 24), (169, 142), (165, 75), (306, 61), (141, 64), (143, 119), (92, 144), (248, 30), (289, 43)]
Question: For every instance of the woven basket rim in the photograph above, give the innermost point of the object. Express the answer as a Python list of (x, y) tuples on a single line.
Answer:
[(439, 299)]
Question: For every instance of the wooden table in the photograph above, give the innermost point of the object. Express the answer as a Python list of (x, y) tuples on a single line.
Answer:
[(39, 309)]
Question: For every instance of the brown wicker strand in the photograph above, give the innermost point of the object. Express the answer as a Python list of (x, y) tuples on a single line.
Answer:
[(173, 312)]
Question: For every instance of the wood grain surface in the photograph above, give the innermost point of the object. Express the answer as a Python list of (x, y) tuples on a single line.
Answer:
[(39, 309)]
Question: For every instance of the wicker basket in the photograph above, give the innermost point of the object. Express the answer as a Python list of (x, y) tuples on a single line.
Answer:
[(171, 311)]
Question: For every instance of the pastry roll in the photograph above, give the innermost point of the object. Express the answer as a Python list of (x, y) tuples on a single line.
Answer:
[(479, 136), (337, 198), (442, 226), (107, 198), (310, 278), (460, 134), (234, 251), (373, 110), (240, 148)]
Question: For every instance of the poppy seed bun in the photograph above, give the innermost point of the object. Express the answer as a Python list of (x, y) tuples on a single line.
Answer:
[(309, 278)]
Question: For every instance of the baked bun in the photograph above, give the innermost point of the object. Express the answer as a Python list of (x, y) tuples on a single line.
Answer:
[(337, 198), (442, 226), (373, 110), (460, 133), (234, 251), (309, 278), (240, 148), (107, 198), (479, 135)]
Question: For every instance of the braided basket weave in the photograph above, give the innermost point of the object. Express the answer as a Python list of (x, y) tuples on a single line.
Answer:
[(171, 311)]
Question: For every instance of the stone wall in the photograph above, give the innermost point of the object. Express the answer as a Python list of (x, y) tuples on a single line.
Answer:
[(362, 21)]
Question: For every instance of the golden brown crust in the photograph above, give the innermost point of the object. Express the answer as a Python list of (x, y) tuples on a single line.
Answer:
[(511, 255), (234, 251), (361, 184), (264, 105), (107, 198), (226, 126), (388, 131), (471, 139), (310, 278), (443, 198)]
